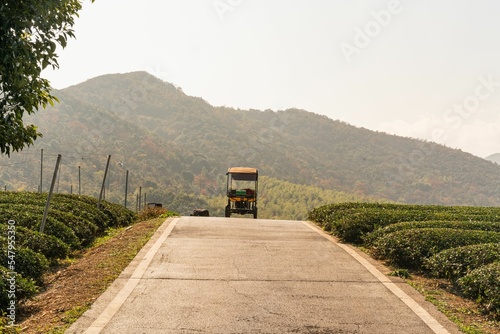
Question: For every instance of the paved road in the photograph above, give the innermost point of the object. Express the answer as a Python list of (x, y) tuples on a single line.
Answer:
[(230, 275)]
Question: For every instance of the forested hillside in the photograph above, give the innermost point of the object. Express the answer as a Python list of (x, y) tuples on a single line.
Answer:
[(177, 148)]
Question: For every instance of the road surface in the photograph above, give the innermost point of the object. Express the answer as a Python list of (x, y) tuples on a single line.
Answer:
[(234, 275)]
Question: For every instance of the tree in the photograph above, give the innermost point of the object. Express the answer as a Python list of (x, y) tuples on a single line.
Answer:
[(30, 31)]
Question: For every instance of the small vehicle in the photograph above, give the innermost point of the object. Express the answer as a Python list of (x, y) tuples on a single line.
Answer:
[(242, 185)]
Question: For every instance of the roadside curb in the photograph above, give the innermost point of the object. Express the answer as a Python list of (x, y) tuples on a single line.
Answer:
[(121, 285)]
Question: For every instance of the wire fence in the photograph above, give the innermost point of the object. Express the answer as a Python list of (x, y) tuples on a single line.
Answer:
[(79, 174)]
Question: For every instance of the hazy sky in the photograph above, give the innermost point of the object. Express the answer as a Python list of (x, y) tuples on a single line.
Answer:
[(419, 68)]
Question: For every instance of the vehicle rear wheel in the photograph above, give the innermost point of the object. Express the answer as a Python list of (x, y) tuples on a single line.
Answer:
[(255, 213), (227, 213)]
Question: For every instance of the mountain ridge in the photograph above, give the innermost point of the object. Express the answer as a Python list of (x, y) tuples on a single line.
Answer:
[(184, 144), (270, 127)]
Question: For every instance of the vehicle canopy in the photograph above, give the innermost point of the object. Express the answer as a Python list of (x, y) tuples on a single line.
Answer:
[(243, 173)]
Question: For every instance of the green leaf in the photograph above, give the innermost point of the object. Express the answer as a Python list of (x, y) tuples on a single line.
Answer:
[(62, 41), (36, 29)]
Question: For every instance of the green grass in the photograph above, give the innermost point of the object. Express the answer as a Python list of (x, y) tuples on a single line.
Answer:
[(437, 298)]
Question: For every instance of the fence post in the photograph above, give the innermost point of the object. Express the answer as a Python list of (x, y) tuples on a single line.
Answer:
[(103, 182), (79, 181), (140, 198), (126, 189), (47, 205)]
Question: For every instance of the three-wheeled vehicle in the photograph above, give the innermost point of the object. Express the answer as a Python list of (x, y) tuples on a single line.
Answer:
[(242, 185)]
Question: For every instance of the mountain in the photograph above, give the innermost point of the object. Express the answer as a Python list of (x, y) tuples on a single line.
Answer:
[(178, 148), (494, 158)]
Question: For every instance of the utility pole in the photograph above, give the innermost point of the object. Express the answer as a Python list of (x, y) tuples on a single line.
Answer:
[(58, 179), (140, 197), (126, 188), (79, 181), (47, 205), (103, 182)]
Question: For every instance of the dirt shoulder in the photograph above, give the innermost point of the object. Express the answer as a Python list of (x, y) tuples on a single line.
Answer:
[(465, 313), (73, 287)]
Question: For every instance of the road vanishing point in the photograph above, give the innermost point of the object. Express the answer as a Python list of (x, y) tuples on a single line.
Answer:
[(238, 275)]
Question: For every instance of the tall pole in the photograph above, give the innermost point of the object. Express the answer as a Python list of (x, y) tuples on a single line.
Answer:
[(47, 205), (58, 178), (126, 189), (41, 171), (79, 181), (140, 197), (103, 182)]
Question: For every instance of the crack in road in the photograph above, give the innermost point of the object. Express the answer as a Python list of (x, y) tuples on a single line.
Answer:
[(268, 311)]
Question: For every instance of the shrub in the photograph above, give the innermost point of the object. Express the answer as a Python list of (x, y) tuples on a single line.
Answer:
[(84, 208), (169, 214), (151, 212), (84, 229), (73, 222), (24, 217), (59, 202), (456, 262), (351, 221), (87, 211), (464, 225), (48, 245), (408, 248), (25, 287), (116, 214), (483, 284), (28, 263)]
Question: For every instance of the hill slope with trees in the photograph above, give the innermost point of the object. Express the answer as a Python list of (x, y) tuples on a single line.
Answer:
[(174, 144)]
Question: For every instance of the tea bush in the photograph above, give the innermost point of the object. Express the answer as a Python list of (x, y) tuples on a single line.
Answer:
[(32, 221), (116, 214), (48, 245), (28, 263), (73, 222), (456, 262), (462, 225), (483, 285), (25, 287), (352, 221), (409, 248)]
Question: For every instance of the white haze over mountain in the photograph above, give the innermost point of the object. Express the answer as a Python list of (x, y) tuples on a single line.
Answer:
[(390, 65)]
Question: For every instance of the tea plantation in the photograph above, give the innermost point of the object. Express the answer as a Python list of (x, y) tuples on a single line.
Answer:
[(459, 243), (73, 223)]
